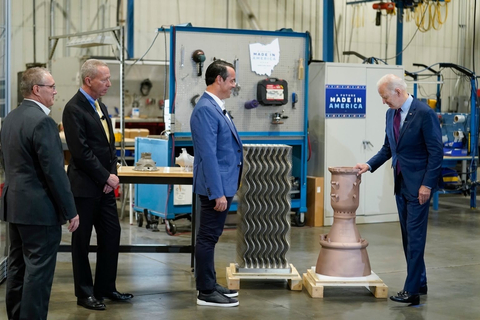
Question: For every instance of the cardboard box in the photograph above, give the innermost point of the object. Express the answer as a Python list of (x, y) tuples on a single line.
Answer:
[(314, 201), (127, 132), (134, 133), (144, 132)]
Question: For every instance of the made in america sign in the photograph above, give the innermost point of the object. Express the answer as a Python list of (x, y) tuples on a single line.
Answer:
[(345, 101)]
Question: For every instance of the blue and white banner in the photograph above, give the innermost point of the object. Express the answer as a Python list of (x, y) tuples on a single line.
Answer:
[(345, 101)]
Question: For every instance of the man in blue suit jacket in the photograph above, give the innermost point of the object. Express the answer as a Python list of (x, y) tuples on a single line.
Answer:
[(417, 153), (216, 175)]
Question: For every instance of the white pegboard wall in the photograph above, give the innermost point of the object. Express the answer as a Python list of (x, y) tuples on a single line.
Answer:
[(230, 46)]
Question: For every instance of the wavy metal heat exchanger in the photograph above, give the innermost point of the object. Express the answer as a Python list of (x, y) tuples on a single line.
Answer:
[(264, 207)]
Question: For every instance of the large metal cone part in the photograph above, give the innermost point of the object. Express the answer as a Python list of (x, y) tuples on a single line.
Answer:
[(343, 252), (263, 233)]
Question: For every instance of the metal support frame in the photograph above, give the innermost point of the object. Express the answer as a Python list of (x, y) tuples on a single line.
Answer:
[(438, 106), (8, 64), (414, 76), (399, 47), (473, 129), (473, 142), (130, 29), (120, 46), (328, 30)]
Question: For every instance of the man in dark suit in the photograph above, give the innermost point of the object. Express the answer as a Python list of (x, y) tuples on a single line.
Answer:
[(217, 168), (36, 198), (93, 175), (413, 140)]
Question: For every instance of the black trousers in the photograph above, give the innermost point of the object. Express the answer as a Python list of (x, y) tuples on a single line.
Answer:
[(211, 227), (100, 213), (31, 265)]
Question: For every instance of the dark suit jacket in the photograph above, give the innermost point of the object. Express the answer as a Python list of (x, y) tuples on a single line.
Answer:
[(419, 150), (36, 191), (218, 151), (93, 157)]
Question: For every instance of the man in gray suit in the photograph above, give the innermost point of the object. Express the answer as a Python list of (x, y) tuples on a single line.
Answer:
[(36, 198)]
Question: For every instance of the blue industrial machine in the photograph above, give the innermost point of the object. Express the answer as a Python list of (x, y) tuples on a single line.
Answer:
[(460, 136)]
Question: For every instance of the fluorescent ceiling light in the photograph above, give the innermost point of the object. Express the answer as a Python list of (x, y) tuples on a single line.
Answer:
[(90, 41)]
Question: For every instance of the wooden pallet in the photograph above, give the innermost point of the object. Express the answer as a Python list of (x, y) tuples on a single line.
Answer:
[(314, 283), (233, 277)]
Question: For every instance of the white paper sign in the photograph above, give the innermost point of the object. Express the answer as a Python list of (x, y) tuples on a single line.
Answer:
[(264, 57), (182, 194)]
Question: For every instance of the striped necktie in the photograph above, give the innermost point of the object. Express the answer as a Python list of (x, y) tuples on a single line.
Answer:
[(396, 123), (103, 120)]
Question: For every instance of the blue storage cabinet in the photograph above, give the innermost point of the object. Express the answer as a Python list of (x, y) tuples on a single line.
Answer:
[(152, 197)]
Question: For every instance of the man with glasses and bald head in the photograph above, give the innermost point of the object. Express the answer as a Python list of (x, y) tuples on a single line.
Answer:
[(36, 198)]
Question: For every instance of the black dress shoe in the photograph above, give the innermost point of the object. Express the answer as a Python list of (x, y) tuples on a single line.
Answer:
[(115, 296), (91, 303), (423, 290), (405, 297)]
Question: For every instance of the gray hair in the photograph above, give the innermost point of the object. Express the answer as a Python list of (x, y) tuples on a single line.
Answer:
[(90, 68), (31, 77), (392, 82)]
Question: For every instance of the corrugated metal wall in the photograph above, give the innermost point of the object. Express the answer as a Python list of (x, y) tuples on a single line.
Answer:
[(452, 43)]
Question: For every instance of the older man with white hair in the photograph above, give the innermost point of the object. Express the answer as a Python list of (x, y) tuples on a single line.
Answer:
[(413, 139)]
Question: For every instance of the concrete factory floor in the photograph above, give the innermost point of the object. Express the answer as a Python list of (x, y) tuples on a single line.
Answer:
[(164, 286)]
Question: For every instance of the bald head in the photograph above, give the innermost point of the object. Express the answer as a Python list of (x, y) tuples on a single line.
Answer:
[(392, 82), (393, 90)]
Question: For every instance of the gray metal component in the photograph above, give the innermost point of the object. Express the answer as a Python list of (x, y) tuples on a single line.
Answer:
[(264, 208), (236, 66), (146, 163)]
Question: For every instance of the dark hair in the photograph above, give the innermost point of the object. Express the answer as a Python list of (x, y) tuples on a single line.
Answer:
[(217, 67)]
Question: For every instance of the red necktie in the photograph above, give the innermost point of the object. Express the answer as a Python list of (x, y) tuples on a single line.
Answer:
[(396, 123)]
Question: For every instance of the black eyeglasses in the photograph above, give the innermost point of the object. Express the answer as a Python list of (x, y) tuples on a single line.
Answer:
[(46, 85)]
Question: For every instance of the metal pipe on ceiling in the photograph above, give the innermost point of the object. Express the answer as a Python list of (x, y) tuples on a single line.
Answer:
[(34, 33), (249, 13)]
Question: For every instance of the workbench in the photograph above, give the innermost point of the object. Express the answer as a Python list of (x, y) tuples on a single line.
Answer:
[(165, 175)]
